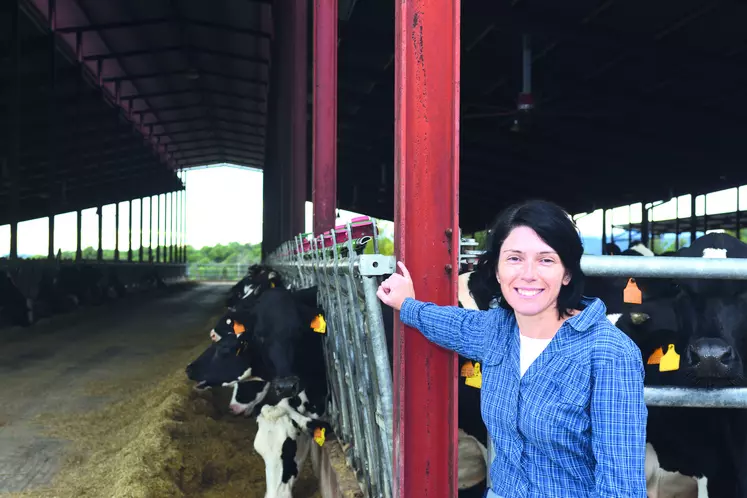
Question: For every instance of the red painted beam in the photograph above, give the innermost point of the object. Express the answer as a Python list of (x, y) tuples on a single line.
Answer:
[(324, 193), (299, 157), (426, 238)]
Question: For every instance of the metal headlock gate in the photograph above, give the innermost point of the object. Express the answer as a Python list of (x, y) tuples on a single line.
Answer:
[(356, 356)]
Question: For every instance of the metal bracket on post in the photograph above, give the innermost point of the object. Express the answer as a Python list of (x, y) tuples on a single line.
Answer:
[(373, 265)]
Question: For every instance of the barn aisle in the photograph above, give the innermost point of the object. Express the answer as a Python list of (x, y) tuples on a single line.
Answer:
[(56, 369)]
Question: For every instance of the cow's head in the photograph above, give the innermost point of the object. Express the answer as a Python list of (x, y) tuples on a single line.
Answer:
[(282, 335), (226, 361), (283, 439), (716, 332), (655, 328)]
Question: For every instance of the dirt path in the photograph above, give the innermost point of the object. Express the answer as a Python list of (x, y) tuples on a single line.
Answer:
[(51, 368)]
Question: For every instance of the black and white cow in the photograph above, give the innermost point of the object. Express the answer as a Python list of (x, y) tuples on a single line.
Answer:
[(15, 308), (266, 350), (705, 323)]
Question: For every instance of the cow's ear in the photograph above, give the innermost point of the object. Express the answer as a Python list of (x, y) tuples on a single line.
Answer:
[(318, 430), (638, 318)]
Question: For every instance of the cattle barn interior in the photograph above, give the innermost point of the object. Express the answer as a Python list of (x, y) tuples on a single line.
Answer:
[(591, 104)]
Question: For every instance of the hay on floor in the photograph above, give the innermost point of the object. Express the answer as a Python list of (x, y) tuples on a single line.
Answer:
[(162, 440)]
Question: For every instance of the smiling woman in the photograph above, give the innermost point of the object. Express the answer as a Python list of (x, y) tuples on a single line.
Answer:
[(562, 388)]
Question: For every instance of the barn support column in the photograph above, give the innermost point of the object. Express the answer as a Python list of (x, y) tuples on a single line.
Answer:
[(129, 232), (116, 231), (50, 247), (158, 230), (172, 220), (677, 224), (140, 251), (150, 229), (100, 251), (737, 221), (51, 120), (12, 172), (299, 121), (693, 220), (184, 225), (705, 214), (283, 13), (272, 169), (644, 224), (426, 146), (324, 132), (604, 231), (78, 235)]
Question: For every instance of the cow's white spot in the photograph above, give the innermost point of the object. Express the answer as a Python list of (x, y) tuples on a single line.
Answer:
[(247, 375), (642, 250), (712, 252), (473, 461), (246, 408), (614, 317), (214, 336), (248, 291), (465, 296), (275, 427)]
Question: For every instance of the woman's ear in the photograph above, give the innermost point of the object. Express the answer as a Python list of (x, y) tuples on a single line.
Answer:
[(567, 279)]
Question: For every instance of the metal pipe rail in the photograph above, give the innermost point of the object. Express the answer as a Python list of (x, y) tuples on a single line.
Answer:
[(723, 397), (355, 349), (664, 267)]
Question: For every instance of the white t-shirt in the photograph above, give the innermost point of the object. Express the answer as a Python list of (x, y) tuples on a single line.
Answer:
[(530, 349)]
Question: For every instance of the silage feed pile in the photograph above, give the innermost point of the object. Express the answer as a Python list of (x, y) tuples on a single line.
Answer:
[(160, 439)]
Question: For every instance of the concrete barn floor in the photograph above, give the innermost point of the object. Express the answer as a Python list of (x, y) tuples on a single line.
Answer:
[(44, 368)]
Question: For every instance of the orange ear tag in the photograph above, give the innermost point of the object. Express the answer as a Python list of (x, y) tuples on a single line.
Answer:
[(238, 328), (319, 435), (467, 369), (655, 357), (632, 294), (318, 324)]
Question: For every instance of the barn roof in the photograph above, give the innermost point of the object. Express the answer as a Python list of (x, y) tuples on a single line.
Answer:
[(634, 101)]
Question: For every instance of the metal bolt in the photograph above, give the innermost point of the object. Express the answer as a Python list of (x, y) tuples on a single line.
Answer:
[(448, 268), (449, 232)]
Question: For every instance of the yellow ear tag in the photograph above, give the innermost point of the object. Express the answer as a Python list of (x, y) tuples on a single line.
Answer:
[(655, 358), (670, 361), (238, 328), (319, 435), (632, 294), (468, 370), (319, 324), (272, 285), (475, 380)]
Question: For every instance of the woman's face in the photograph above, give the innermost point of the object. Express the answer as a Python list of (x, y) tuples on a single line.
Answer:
[(530, 273)]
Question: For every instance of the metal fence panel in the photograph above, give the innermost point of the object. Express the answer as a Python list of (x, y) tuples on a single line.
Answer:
[(355, 348)]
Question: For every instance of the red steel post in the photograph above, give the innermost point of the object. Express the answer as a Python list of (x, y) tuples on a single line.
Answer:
[(426, 200), (324, 193), (299, 156)]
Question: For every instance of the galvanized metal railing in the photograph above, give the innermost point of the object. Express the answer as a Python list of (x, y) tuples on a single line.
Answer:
[(356, 356)]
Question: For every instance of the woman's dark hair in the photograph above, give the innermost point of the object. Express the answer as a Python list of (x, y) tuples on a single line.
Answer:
[(555, 227)]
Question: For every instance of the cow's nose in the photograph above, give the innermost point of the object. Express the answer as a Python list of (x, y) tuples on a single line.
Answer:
[(189, 370), (712, 357), (286, 387)]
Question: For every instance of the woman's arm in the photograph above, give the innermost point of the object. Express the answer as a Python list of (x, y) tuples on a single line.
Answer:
[(451, 327), (618, 427)]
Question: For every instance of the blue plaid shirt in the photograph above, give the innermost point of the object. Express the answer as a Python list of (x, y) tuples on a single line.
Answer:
[(574, 426)]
